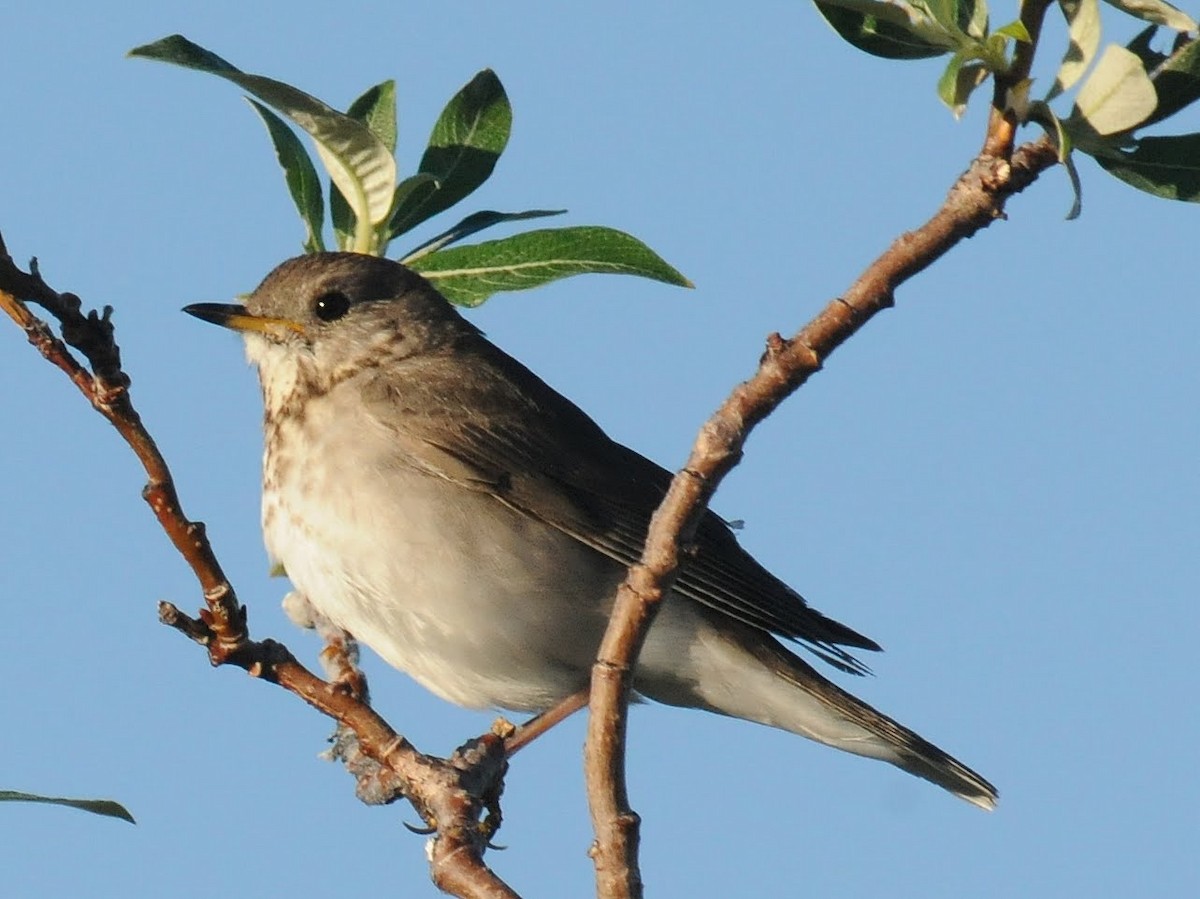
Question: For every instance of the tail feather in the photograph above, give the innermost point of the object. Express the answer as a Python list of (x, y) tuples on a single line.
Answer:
[(884, 737), (738, 670)]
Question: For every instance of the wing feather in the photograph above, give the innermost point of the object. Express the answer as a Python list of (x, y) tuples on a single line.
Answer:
[(504, 431)]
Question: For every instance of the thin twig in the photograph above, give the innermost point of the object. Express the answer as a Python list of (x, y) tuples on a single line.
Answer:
[(1003, 121), (457, 797), (976, 200)]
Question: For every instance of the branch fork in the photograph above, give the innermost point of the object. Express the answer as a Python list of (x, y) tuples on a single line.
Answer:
[(458, 797)]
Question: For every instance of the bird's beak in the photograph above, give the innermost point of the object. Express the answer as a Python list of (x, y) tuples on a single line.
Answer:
[(229, 315)]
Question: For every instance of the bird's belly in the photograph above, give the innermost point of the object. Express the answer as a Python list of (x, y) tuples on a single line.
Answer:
[(480, 604)]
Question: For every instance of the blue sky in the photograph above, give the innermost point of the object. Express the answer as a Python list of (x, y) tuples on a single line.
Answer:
[(996, 480)]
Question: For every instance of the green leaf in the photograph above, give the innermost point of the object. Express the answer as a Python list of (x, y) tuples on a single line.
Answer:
[(1118, 96), (472, 224), (1140, 45), (1157, 11), (376, 109), (885, 29), (105, 807), (1164, 166), (343, 219), (177, 49), (1176, 79), (1040, 112), (357, 161), (1017, 31), (300, 175), (469, 275), (1083, 40), (1076, 188), (958, 80), (959, 18), (944, 12), (976, 24), (467, 139)]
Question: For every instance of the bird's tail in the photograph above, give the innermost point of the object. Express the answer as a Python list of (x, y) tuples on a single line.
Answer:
[(849, 723), (746, 674)]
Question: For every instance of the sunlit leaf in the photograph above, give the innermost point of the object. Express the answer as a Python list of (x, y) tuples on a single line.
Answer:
[(357, 161), (977, 20), (301, 176), (944, 12), (1083, 40), (469, 275), (956, 19), (889, 30), (376, 109), (1016, 30), (1118, 95), (1157, 11), (473, 224), (468, 138), (343, 219), (958, 80)]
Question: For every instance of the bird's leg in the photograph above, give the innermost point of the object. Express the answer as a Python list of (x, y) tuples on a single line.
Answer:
[(539, 724)]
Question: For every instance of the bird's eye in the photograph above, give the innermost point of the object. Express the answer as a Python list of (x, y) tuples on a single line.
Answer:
[(331, 306)]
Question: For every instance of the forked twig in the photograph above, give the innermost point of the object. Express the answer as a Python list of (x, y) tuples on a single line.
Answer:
[(457, 797), (975, 201)]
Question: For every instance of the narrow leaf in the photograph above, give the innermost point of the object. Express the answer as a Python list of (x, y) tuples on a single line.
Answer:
[(1140, 45), (1118, 96), (977, 22), (467, 139), (343, 219), (958, 80), (1083, 40), (1076, 189), (376, 109), (946, 86), (1040, 112), (1157, 11), (885, 29), (358, 162), (1016, 30), (944, 12), (1176, 80), (300, 175), (967, 20), (472, 224), (419, 183), (1164, 166), (469, 275), (105, 807)]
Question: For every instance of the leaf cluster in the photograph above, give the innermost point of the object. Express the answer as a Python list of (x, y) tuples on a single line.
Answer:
[(369, 205), (1120, 90), (104, 807)]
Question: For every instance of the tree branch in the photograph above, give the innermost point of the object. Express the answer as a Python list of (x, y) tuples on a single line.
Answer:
[(974, 202), (1003, 119), (457, 797)]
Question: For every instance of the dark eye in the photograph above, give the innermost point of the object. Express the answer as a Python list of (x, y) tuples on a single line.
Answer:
[(331, 306)]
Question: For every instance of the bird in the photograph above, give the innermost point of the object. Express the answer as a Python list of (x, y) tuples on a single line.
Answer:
[(433, 497)]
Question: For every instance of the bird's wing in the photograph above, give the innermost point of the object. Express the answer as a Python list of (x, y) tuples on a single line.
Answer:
[(547, 459)]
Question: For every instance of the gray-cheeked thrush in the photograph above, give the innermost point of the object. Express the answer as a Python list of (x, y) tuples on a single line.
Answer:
[(432, 496)]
